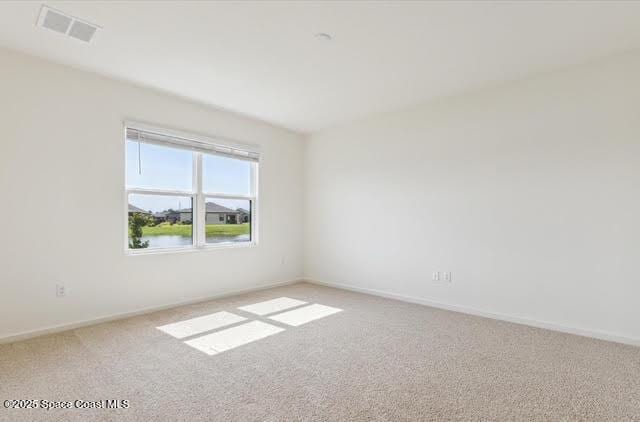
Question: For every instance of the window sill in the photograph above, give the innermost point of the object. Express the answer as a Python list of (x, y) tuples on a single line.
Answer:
[(190, 249)]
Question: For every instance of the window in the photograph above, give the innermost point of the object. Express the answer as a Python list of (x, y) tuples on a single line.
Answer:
[(187, 192)]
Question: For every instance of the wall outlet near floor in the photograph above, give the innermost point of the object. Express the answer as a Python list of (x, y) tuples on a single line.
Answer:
[(61, 291), (445, 276)]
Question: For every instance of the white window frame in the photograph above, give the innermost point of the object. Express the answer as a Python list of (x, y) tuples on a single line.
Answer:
[(197, 194)]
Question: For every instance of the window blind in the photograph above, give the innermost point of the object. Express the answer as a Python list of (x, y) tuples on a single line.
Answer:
[(151, 137)]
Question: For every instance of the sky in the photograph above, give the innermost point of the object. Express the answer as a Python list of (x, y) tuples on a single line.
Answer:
[(157, 167)]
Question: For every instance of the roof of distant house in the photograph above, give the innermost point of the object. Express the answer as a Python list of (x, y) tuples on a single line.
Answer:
[(213, 207), (133, 208)]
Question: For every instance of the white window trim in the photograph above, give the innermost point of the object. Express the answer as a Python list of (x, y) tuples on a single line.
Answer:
[(197, 194)]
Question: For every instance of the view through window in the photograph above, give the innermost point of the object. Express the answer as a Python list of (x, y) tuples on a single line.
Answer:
[(186, 194)]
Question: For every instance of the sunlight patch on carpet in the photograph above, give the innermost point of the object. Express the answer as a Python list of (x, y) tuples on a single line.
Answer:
[(305, 314), (272, 306), (231, 338), (201, 324)]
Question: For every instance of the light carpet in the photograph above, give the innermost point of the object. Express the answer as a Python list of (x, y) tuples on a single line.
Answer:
[(378, 359)]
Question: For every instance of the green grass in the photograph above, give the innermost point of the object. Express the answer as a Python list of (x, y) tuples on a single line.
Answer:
[(165, 229)]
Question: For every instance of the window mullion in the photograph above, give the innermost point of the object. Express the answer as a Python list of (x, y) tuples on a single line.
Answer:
[(254, 202), (200, 226), (165, 192), (225, 196)]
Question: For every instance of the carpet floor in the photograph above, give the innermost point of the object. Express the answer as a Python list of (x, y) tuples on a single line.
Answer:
[(377, 359)]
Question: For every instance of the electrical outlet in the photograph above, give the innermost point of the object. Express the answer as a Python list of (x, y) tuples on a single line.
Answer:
[(436, 276), (447, 276), (60, 290)]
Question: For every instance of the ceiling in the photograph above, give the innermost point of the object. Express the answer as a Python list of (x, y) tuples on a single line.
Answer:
[(262, 59)]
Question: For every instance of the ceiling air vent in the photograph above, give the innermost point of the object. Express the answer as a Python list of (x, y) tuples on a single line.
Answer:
[(73, 27)]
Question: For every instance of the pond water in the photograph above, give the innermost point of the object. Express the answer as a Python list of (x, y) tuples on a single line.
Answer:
[(222, 239), (172, 241)]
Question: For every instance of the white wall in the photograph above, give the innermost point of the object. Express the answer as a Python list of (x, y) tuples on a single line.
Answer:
[(62, 156), (528, 192)]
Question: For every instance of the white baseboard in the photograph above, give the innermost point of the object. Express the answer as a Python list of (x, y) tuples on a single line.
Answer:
[(70, 326), (472, 311)]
